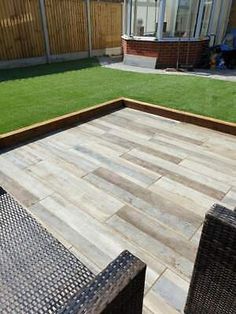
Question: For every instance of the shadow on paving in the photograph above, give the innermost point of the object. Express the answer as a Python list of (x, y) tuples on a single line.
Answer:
[(46, 69)]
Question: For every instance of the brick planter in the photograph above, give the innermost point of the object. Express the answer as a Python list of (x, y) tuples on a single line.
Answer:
[(167, 51)]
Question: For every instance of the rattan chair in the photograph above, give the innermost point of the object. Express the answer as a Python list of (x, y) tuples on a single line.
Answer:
[(213, 285), (38, 275)]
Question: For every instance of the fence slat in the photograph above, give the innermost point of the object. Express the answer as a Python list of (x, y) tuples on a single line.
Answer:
[(22, 35), (20, 29), (66, 26), (106, 19)]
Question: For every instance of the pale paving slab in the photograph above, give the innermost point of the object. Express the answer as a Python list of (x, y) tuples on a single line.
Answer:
[(216, 152), (188, 193), (209, 171), (133, 141), (196, 237), (201, 183), (150, 128), (159, 250), (129, 180), (146, 310), (88, 235), (168, 294), (157, 207), (72, 187), (28, 182), (230, 198)]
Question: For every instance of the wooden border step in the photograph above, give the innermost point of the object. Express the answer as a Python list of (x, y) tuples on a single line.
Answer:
[(38, 130)]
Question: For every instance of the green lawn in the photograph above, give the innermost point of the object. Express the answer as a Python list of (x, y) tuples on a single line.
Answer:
[(38, 93)]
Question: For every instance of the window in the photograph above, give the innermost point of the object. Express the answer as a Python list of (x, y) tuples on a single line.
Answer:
[(220, 15), (180, 18), (170, 18), (223, 20), (206, 15), (144, 18), (165, 19), (186, 18)]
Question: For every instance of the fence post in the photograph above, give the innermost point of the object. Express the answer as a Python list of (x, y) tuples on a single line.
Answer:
[(89, 28), (45, 29)]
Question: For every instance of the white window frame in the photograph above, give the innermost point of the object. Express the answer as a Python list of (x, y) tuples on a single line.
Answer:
[(213, 13), (199, 19), (127, 17), (161, 17)]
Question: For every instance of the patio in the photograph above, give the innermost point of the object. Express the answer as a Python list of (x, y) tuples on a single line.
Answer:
[(128, 180)]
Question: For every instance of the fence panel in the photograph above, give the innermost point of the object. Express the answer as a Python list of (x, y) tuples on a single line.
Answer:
[(106, 20), (20, 30), (67, 26)]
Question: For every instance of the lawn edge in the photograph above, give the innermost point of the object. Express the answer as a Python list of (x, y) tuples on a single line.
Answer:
[(183, 116), (60, 123), (35, 131)]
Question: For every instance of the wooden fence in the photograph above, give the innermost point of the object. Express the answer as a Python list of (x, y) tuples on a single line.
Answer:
[(67, 26), (106, 23), (21, 33), (62, 27)]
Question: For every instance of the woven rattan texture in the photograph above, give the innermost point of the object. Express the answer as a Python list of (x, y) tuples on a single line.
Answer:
[(213, 285), (38, 274), (108, 284)]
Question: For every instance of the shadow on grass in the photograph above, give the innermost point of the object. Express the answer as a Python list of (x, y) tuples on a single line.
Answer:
[(46, 69)]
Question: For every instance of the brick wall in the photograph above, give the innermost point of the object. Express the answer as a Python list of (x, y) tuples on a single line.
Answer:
[(167, 51)]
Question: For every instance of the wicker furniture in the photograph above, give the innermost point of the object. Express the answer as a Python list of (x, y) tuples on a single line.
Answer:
[(39, 275), (213, 284)]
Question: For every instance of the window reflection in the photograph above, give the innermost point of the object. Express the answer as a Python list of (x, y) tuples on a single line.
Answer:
[(207, 9), (180, 18), (145, 17)]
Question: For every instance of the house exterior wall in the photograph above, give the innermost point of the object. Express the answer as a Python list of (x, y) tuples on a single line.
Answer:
[(166, 52)]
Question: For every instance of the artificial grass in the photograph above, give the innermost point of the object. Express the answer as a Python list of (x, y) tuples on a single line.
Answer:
[(39, 93)]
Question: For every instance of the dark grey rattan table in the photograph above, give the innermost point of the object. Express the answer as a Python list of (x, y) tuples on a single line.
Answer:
[(39, 275)]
